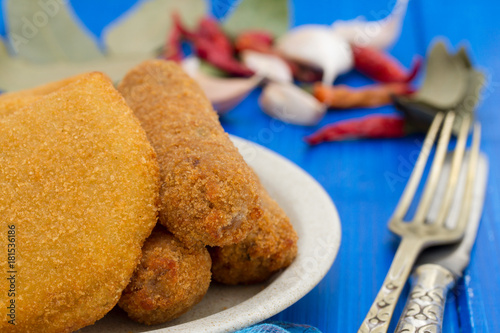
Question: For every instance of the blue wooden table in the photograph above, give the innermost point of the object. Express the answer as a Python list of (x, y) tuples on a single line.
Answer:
[(366, 178), (355, 174)]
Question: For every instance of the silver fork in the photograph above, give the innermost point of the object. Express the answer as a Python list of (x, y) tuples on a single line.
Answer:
[(420, 233)]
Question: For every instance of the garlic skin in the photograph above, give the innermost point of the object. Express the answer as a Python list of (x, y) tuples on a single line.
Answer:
[(317, 46), (291, 104), (380, 34), (269, 66), (223, 93), (191, 65)]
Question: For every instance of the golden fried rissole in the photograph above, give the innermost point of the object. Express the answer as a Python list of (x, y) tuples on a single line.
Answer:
[(14, 101), (80, 186), (209, 195), (170, 279), (269, 248)]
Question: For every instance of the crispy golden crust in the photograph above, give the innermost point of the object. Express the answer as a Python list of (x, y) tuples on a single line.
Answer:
[(170, 279), (15, 101), (269, 248), (80, 182), (208, 194)]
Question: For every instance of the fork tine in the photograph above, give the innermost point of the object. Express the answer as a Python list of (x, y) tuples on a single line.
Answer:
[(456, 164), (437, 165), (471, 175), (416, 174), (417, 236)]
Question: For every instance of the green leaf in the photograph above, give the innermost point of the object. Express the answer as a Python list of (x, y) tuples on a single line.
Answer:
[(47, 31), (62, 48), (269, 15), (17, 74), (471, 97), (446, 78), (144, 28), (3, 49), (450, 83), (210, 70)]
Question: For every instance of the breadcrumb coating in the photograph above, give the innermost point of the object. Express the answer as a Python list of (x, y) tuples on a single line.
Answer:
[(14, 101), (170, 279), (209, 195), (269, 248), (80, 183)]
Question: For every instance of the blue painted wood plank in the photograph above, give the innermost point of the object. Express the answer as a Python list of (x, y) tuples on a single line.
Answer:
[(477, 293)]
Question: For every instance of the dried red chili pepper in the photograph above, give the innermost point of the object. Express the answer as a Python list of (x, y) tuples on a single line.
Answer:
[(209, 30), (211, 44), (344, 97), (381, 66), (260, 41), (376, 126), (179, 26), (173, 47)]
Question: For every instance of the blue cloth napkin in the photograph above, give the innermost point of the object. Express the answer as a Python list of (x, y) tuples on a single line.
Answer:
[(279, 327)]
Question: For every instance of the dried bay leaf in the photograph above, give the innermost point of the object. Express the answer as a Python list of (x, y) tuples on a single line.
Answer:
[(137, 35), (467, 105), (223, 8), (451, 83), (446, 78), (62, 48), (418, 114), (210, 70), (3, 49), (48, 32), (144, 28), (269, 15), (17, 74)]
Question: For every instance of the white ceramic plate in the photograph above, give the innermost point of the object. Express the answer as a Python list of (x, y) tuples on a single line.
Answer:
[(228, 308)]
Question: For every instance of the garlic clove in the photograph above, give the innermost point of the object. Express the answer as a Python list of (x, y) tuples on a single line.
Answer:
[(269, 66), (291, 104), (191, 65), (317, 46), (380, 34), (223, 93)]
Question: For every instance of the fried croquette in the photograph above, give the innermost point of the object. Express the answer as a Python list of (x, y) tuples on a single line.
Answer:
[(170, 279), (269, 248), (14, 101), (209, 195), (80, 187)]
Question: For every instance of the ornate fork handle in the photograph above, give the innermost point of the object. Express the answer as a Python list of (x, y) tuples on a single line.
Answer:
[(424, 309), (380, 314)]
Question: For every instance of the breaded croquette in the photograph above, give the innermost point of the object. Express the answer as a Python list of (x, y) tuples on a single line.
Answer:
[(170, 279), (14, 101), (269, 248), (80, 186), (209, 195)]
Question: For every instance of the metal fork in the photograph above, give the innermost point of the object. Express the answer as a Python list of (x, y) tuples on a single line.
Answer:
[(420, 233)]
